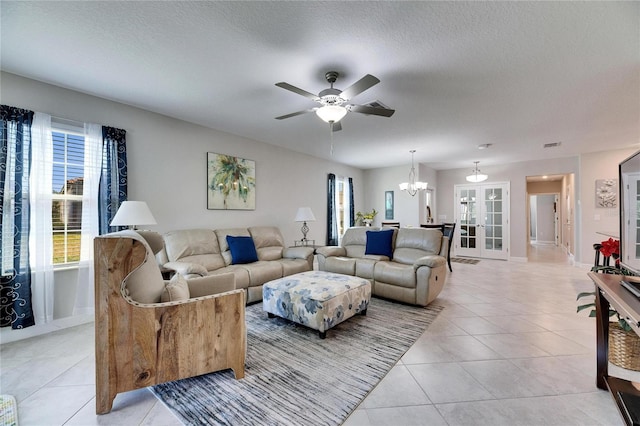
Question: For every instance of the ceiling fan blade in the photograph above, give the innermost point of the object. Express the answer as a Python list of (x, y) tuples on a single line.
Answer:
[(297, 90), (336, 127), (293, 114), (359, 86), (363, 109)]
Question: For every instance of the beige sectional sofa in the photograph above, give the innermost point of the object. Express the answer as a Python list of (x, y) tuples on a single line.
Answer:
[(204, 252), (415, 273)]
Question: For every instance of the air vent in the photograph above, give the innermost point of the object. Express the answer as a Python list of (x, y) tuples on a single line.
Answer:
[(377, 104), (552, 145)]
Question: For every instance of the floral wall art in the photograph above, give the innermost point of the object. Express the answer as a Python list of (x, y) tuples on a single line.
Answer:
[(231, 182), (607, 193)]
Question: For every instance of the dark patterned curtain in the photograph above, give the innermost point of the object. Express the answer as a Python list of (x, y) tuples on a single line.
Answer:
[(352, 209), (15, 164), (113, 180), (332, 224)]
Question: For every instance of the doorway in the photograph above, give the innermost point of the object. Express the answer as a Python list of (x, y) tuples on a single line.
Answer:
[(550, 203), (483, 214), (543, 219)]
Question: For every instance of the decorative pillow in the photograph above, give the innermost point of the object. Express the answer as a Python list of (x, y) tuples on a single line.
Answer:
[(176, 289), (242, 250), (379, 243)]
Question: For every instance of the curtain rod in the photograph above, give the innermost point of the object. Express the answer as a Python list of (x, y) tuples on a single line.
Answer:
[(68, 121)]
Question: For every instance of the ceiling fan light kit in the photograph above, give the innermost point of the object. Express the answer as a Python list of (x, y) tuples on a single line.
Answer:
[(331, 113), (476, 176), (412, 187), (335, 102)]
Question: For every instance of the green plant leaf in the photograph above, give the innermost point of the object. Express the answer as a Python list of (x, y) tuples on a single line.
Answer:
[(624, 325), (583, 307), (585, 294)]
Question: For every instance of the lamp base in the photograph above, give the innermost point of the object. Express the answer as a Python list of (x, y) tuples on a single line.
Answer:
[(304, 230)]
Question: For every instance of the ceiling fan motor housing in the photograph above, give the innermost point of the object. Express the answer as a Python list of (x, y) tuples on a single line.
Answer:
[(331, 97)]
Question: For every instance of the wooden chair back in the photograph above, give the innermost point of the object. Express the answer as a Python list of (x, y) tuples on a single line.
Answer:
[(140, 345)]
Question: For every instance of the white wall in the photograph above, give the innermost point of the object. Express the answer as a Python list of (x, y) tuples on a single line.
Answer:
[(408, 210), (167, 167), (595, 166)]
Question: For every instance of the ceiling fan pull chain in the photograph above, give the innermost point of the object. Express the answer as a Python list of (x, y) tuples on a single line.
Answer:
[(331, 131)]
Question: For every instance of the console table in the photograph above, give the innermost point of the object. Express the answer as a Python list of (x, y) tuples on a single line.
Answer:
[(609, 292)]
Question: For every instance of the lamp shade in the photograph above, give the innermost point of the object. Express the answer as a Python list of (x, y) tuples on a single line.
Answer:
[(331, 113), (476, 176), (133, 213), (305, 215)]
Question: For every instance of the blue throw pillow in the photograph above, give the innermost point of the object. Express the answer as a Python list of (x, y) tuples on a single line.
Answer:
[(242, 250), (379, 243)]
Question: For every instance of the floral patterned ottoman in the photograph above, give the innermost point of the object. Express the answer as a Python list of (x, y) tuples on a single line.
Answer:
[(316, 299)]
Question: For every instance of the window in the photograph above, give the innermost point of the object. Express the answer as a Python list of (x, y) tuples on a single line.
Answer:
[(342, 206), (68, 180)]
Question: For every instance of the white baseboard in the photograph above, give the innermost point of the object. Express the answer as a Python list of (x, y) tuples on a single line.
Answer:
[(8, 335)]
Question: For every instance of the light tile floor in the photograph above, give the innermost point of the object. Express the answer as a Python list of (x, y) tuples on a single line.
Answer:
[(508, 349)]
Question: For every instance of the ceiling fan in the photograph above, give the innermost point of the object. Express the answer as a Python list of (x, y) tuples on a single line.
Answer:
[(334, 103)]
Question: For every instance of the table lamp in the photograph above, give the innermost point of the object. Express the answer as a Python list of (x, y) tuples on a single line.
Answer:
[(132, 214), (304, 215)]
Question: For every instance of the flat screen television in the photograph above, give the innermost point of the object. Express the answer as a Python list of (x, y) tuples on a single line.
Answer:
[(629, 175)]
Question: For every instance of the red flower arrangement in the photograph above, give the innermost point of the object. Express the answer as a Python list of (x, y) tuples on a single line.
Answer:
[(611, 248)]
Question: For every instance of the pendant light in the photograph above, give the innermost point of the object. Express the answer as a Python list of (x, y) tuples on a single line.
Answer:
[(412, 187), (476, 176)]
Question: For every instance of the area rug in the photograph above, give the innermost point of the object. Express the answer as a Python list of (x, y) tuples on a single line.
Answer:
[(294, 377), (465, 260), (8, 411)]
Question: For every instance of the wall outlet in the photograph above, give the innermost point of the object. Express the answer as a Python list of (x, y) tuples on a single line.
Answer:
[(596, 217), (442, 217)]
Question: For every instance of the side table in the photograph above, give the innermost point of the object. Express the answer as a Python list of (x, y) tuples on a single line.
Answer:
[(609, 292)]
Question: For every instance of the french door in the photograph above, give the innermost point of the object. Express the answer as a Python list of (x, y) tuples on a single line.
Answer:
[(482, 213)]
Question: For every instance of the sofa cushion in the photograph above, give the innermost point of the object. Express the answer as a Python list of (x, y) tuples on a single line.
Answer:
[(176, 289), (242, 250), (380, 243), (268, 241), (263, 271), (194, 246), (144, 284), (414, 243)]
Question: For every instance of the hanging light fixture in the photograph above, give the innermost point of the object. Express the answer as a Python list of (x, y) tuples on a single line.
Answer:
[(412, 187), (331, 113), (476, 176)]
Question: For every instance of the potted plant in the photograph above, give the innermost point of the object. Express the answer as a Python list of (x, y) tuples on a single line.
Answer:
[(624, 343), (366, 219)]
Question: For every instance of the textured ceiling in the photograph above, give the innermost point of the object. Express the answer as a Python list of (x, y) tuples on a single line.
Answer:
[(516, 75)]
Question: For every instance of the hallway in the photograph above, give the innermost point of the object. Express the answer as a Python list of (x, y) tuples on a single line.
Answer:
[(548, 253)]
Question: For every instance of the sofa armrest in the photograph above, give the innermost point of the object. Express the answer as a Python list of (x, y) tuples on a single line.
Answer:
[(186, 269), (432, 261), (297, 252), (329, 251), (212, 284)]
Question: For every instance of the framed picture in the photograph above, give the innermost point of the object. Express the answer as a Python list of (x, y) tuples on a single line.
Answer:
[(607, 193), (231, 182), (388, 205)]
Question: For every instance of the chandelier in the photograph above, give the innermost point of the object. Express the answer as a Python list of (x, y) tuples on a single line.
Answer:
[(412, 187), (476, 176)]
